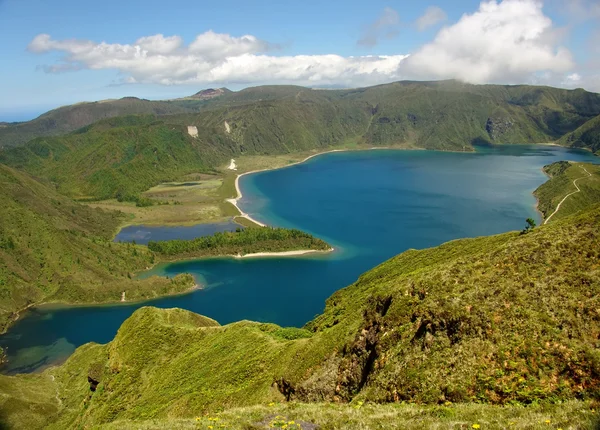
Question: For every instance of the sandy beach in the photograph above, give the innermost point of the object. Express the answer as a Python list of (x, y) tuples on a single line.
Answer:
[(284, 253), (239, 191)]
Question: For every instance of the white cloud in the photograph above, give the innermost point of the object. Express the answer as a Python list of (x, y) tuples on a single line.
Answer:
[(215, 58), (385, 26), (213, 46), (159, 44), (433, 15), (504, 41), (509, 41)]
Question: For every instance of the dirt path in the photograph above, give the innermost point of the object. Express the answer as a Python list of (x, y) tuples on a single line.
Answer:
[(58, 399), (589, 175)]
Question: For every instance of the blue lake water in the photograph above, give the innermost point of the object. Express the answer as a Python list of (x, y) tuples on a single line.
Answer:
[(370, 205), (142, 234)]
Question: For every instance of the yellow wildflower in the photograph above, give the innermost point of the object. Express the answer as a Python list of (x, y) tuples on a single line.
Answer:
[(210, 427), (547, 421), (272, 404), (476, 426)]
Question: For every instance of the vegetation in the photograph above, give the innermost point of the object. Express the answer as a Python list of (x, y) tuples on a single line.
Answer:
[(69, 118), (587, 136), (509, 319), (561, 184), (122, 157), (52, 249), (197, 198), (241, 242), (530, 225), (117, 158)]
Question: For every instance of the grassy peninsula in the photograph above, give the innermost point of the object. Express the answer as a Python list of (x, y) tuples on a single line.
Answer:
[(241, 242), (499, 320), (575, 186)]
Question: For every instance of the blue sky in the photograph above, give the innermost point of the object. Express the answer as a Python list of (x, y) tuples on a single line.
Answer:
[(290, 42)]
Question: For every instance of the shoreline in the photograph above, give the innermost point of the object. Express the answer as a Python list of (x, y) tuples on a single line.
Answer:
[(234, 201), (285, 253), (61, 304)]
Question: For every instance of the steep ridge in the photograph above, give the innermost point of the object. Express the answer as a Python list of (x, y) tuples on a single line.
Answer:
[(69, 118), (587, 136), (501, 319), (52, 249)]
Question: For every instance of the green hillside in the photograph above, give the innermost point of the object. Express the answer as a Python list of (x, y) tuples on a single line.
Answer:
[(587, 136), (52, 249), (507, 319), (124, 156), (119, 157), (565, 180), (69, 118)]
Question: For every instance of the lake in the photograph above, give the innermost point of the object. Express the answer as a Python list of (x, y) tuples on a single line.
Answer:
[(142, 234), (370, 205)]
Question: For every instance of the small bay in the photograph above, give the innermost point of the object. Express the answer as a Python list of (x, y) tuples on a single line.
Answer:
[(370, 205)]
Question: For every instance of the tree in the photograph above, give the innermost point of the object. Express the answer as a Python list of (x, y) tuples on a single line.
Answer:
[(530, 225)]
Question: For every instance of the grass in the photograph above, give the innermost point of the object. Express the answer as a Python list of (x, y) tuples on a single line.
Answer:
[(295, 416), (177, 203), (507, 320), (55, 250), (562, 174)]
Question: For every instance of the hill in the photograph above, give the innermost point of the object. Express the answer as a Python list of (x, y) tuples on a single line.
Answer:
[(122, 157), (587, 136), (498, 320), (69, 118), (52, 249), (575, 186)]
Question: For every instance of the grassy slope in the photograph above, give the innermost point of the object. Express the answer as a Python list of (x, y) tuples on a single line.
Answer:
[(68, 118), (500, 319), (587, 136), (562, 174), (52, 249), (128, 155)]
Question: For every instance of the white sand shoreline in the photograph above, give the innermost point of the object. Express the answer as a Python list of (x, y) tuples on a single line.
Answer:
[(285, 253), (235, 200)]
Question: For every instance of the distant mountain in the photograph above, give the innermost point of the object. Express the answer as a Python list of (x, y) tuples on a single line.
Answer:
[(124, 156), (68, 118), (210, 93), (587, 136)]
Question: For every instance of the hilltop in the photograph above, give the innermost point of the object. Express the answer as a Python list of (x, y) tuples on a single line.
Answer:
[(499, 320), (69, 118)]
